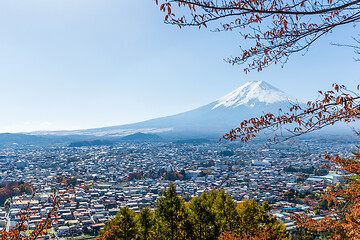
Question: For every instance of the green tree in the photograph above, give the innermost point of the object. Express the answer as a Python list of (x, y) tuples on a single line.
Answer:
[(170, 211), (187, 227), (203, 217), (123, 226), (248, 221), (146, 221), (225, 208), (254, 219), (289, 195)]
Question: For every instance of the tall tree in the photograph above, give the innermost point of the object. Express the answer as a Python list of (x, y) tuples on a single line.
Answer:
[(123, 226), (170, 211), (254, 220), (203, 217), (225, 208), (146, 220)]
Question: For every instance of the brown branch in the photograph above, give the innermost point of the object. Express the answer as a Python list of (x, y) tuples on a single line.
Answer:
[(317, 12)]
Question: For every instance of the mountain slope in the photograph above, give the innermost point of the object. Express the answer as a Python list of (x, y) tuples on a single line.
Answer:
[(250, 100)]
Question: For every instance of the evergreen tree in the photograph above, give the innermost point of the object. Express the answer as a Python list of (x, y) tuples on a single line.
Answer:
[(248, 221), (170, 211), (254, 219), (122, 227), (146, 221), (187, 227), (225, 208), (203, 217)]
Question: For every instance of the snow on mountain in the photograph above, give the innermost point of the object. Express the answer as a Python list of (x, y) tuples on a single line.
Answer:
[(252, 92), (214, 118)]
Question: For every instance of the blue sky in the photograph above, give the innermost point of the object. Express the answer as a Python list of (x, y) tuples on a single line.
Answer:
[(85, 63)]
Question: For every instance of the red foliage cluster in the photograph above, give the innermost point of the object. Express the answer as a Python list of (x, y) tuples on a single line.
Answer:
[(4, 194), (72, 181), (135, 175), (13, 188), (342, 221), (173, 175)]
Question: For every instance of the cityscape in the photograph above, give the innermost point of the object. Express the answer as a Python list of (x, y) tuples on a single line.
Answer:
[(289, 176)]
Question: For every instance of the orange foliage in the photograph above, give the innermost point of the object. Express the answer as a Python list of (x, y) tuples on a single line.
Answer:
[(260, 235), (18, 232), (342, 222)]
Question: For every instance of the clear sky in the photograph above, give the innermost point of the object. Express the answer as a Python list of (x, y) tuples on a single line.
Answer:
[(70, 64)]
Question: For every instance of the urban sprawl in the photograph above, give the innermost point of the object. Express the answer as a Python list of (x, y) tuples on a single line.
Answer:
[(290, 176)]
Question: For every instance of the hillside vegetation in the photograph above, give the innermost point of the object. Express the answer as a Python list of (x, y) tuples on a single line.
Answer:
[(212, 215)]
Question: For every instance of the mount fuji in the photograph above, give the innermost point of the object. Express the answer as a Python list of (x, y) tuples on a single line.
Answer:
[(214, 119)]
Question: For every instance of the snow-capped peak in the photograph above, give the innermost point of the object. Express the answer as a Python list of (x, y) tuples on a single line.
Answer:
[(253, 92)]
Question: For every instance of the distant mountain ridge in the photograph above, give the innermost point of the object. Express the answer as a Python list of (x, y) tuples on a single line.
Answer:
[(142, 137), (216, 118), (210, 121)]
